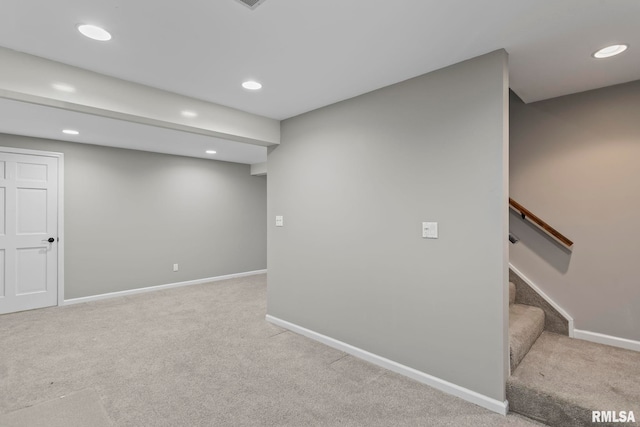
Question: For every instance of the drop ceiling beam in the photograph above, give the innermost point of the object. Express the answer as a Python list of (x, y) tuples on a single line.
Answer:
[(28, 78)]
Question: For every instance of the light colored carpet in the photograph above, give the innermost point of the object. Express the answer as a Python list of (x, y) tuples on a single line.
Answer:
[(80, 409), (512, 293), (561, 380), (205, 356), (553, 320), (526, 323)]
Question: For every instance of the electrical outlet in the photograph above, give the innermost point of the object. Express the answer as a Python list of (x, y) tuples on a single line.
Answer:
[(430, 230), (175, 267)]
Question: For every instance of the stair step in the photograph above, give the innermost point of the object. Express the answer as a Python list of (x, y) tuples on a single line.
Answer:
[(562, 380), (526, 323), (512, 293)]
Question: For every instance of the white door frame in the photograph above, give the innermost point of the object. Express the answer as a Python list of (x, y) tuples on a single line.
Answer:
[(60, 235)]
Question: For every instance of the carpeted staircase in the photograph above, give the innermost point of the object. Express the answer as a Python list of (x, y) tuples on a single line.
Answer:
[(526, 323), (559, 380)]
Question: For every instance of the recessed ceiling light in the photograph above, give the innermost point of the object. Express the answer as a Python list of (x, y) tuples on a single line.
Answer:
[(211, 152), (251, 85), (63, 87), (609, 51), (94, 32), (70, 132), (189, 114)]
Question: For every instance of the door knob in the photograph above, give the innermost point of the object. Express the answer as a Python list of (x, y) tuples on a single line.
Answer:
[(51, 240)]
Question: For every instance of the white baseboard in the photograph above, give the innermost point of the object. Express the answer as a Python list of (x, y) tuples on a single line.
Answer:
[(607, 339), (160, 287), (437, 383), (546, 298)]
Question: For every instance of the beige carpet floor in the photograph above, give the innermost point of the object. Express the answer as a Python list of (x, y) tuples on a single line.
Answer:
[(79, 409), (204, 356), (562, 380)]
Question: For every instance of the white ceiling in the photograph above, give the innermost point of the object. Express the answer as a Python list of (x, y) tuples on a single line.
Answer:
[(45, 122), (309, 54)]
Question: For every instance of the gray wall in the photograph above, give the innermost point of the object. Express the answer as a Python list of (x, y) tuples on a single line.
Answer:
[(574, 163), (355, 180), (130, 215)]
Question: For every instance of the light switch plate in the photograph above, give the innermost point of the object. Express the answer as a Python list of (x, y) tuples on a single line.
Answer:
[(430, 230), (279, 221)]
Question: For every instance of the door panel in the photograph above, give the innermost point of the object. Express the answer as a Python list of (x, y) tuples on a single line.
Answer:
[(28, 218), (2, 292), (32, 172), (31, 271), (2, 210), (31, 211)]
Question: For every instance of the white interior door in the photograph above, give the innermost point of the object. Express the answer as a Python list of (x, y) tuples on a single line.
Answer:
[(28, 231)]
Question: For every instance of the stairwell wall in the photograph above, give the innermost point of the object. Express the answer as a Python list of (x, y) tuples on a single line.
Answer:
[(354, 181), (574, 163)]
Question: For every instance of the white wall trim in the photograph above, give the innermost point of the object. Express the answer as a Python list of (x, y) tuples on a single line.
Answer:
[(607, 339), (60, 235), (61, 240), (546, 298), (437, 383), (160, 287)]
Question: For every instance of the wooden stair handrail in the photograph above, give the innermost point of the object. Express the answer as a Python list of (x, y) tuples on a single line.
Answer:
[(526, 213)]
